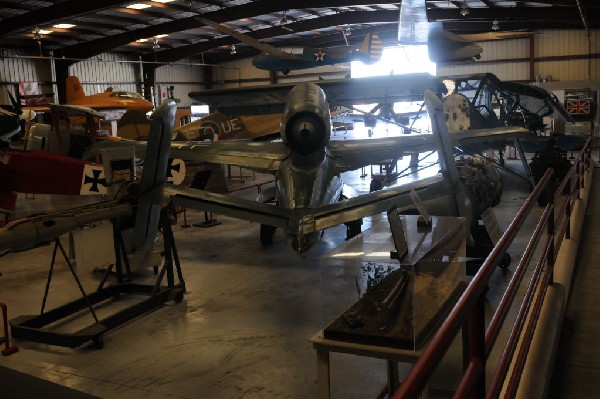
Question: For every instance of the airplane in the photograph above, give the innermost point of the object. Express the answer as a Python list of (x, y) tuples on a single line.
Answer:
[(289, 59), (29, 232), (414, 28), (219, 126), (107, 100), (36, 172), (309, 192), (270, 99)]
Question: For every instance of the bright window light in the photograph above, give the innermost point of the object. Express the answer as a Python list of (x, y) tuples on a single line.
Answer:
[(396, 61), (139, 6), (141, 40), (63, 26), (159, 36), (45, 32), (162, 1)]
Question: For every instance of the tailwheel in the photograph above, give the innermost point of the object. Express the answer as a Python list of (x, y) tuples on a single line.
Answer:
[(266, 234)]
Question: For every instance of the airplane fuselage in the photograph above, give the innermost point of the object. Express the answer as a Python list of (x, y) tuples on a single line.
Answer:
[(310, 57), (307, 183)]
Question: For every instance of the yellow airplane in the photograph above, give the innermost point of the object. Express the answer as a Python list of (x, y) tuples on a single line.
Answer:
[(107, 100), (219, 126)]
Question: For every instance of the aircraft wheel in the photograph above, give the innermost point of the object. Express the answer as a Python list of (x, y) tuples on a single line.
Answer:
[(505, 263), (178, 297), (266, 234), (99, 341), (376, 185)]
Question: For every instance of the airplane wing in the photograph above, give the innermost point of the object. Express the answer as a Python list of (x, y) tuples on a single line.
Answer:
[(255, 100), (74, 110), (300, 221), (353, 154), (504, 35), (262, 157), (264, 47)]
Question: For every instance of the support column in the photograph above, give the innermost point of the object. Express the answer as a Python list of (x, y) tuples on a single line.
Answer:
[(149, 79), (62, 72)]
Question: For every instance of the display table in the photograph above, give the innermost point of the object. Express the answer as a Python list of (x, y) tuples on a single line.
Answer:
[(398, 313), (392, 356)]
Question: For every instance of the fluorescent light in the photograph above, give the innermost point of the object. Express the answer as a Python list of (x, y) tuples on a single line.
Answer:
[(63, 26), (45, 32), (163, 35), (162, 1), (141, 40), (139, 6)]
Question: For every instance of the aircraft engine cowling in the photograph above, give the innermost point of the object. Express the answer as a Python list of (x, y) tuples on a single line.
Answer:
[(483, 181), (306, 123)]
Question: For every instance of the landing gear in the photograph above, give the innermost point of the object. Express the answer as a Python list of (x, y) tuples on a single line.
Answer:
[(267, 233), (376, 185), (479, 251), (353, 228), (551, 158)]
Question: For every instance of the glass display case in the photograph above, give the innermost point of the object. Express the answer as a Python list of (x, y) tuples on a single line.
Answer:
[(406, 305)]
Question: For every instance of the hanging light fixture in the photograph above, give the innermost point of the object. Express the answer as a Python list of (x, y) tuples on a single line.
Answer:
[(155, 45), (233, 51), (464, 10), (495, 25), (36, 34)]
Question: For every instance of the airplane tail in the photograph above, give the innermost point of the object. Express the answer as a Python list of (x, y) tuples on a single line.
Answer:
[(156, 166), (372, 48), (74, 89), (439, 129)]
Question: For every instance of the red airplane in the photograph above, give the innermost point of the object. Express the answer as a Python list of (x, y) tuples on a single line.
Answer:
[(42, 172)]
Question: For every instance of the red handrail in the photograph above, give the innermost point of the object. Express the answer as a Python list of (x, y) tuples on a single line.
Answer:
[(468, 306)]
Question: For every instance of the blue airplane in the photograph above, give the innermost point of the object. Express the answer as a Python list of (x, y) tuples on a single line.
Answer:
[(294, 58)]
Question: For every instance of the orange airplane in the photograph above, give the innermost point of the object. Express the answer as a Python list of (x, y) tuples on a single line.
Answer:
[(107, 100)]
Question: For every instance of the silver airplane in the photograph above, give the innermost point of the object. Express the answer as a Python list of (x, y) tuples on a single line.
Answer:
[(308, 194), (443, 46)]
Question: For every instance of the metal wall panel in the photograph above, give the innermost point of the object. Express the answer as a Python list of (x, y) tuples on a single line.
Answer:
[(14, 70), (107, 70), (183, 78), (563, 42), (559, 55)]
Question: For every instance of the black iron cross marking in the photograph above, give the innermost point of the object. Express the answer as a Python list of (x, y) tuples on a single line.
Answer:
[(95, 180), (176, 168)]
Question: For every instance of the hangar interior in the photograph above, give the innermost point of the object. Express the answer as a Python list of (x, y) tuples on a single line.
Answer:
[(259, 321)]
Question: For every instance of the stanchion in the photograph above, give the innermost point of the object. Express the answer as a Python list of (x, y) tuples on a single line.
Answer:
[(185, 223), (208, 221), (8, 349)]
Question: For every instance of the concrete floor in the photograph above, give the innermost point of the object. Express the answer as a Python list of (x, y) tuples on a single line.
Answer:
[(242, 330)]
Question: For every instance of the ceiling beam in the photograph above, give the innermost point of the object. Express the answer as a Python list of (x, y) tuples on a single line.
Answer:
[(59, 12), (247, 10)]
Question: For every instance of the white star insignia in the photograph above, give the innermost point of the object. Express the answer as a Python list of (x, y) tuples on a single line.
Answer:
[(320, 56)]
